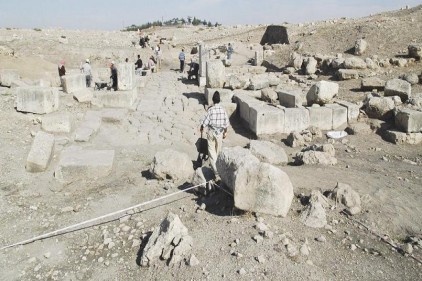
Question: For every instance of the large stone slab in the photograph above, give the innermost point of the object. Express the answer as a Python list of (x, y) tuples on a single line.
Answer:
[(57, 122), (121, 99), (39, 100), (352, 110), (114, 115), (340, 115), (226, 95), (257, 187), (321, 117), (77, 163), (371, 83), (265, 119), (88, 127), (8, 76), (398, 87), (397, 137), (216, 74), (290, 98), (83, 95), (41, 152), (409, 120), (73, 83), (126, 76), (296, 119), (244, 102)]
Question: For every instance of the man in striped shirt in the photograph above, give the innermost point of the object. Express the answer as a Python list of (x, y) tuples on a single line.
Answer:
[(217, 121)]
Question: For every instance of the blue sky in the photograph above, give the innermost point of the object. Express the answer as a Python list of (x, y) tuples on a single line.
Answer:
[(116, 14)]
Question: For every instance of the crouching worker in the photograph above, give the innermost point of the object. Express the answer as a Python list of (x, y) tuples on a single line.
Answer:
[(193, 71), (216, 121)]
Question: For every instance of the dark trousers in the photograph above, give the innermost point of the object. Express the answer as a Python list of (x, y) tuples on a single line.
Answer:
[(182, 65), (88, 81)]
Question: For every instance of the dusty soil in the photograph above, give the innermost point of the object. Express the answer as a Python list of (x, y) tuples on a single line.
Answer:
[(388, 177)]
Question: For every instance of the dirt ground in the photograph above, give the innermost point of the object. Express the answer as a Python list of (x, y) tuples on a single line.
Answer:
[(388, 177)]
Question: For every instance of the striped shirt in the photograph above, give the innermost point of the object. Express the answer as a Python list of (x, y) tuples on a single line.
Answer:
[(216, 119)]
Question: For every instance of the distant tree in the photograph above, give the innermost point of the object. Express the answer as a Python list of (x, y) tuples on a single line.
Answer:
[(174, 21)]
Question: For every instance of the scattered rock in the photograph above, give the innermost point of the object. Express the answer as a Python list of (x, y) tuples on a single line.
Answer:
[(261, 259), (314, 214), (170, 241), (321, 239), (344, 194), (241, 271), (193, 261)]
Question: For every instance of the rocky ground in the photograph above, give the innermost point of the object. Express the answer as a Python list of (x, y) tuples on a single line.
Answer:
[(227, 243)]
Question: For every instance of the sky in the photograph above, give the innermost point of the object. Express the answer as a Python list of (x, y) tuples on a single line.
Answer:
[(117, 14)]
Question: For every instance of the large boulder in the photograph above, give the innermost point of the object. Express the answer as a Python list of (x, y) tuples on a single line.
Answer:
[(269, 95), (237, 81), (216, 74), (354, 63), (268, 152), (259, 83), (296, 60), (347, 74), (398, 87), (409, 120), (360, 47), (171, 164), (322, 92), (412, 78), (257, 187), (170, 241), (311, 65), (380, 108)]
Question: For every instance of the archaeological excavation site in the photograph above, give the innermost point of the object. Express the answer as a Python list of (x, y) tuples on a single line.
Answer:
[(319, 176)]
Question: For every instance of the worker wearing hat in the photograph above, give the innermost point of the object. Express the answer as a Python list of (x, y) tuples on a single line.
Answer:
[(86, 69)]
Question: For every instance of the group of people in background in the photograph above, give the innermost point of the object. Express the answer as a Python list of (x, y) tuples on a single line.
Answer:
[(153, 63), (86, 69)]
